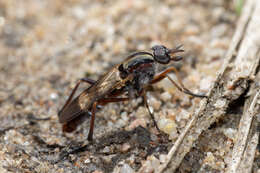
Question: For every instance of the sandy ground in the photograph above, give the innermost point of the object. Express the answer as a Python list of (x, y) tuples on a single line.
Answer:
[(46, 46)]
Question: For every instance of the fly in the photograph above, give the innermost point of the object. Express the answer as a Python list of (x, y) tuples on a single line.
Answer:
[(129, 78)]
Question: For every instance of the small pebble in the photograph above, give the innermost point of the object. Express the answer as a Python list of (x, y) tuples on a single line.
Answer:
[(167, 125), (125, 147), (126, 169), (155, 103), (205, 83), (136, 123), (87, 161), (166, 96), (230, 133), (54, 96)]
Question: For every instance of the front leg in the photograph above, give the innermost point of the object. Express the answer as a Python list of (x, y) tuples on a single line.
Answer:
[(181, 88)]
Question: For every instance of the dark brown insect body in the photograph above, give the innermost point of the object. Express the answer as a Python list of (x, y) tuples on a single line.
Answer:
[(129, 78)]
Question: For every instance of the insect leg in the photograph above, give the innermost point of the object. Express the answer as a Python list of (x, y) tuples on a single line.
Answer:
[(90, 81), (112, 99), (87, 80), (92, 121), (180, 88), (151, 114), (94, 106)]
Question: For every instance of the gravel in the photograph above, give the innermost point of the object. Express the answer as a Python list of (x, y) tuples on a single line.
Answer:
[(46, 46)]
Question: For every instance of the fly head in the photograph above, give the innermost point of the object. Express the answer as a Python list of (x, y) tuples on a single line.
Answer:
[(162, 54)]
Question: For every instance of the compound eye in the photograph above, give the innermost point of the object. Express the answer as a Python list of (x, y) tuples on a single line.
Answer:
[(161, 55)]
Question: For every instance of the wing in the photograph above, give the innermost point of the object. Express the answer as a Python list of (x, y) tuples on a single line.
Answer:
[(71, 111), (105, 85), (81, 104), (70, 126)]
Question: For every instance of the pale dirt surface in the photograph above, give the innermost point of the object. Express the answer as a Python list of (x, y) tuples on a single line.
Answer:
[(46, 46)]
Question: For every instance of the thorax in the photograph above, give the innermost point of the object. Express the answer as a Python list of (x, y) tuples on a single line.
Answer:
[(142, 67)]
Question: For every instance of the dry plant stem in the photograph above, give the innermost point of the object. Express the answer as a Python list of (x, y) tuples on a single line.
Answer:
[(231, 83), (249, 154), (243, 134), (247, 136), (250, 151)]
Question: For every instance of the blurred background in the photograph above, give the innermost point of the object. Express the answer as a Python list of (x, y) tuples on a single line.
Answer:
[(47, 45)]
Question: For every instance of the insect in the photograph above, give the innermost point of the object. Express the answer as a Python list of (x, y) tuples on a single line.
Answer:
[(129, 79)]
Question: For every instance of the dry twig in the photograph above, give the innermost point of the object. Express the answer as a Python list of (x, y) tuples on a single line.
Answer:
[(247, 136)]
